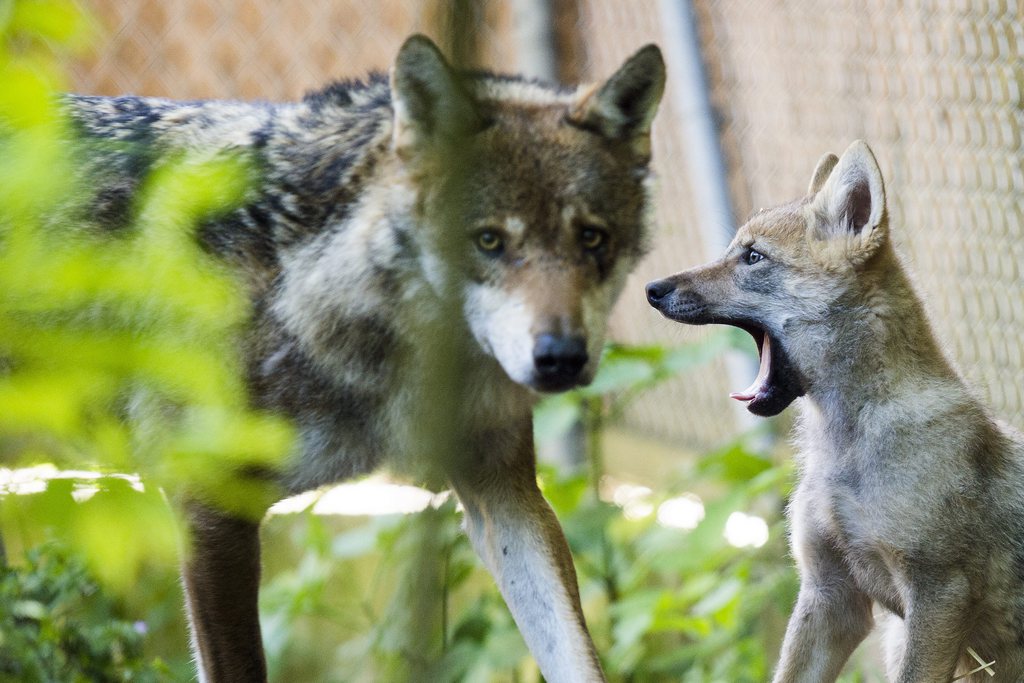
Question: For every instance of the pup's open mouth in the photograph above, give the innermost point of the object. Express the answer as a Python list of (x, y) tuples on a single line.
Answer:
[(777, 383)]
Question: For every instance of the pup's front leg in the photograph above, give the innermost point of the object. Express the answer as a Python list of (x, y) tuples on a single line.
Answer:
[(518, 537), (222, 576), (936, 626), (832, 616)]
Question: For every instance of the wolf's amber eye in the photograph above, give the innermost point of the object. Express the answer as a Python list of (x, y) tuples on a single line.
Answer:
[(752, 256), (490, 242), (593, 238)]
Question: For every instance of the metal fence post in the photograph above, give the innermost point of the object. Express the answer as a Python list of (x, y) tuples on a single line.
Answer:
[(705, 161)]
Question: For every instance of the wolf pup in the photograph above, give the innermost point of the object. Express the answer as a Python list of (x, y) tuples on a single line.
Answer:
[(380, 207), (911, 494)]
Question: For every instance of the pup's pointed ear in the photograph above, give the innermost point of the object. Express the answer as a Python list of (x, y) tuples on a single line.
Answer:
[(428, 99), (821, 172), (623, 107), (851, 204)]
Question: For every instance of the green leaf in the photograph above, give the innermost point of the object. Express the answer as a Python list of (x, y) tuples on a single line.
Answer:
[(619, 373), (115, 550), (733, 463), (29, 609), (723, 595), (52, 20), (554, 416)]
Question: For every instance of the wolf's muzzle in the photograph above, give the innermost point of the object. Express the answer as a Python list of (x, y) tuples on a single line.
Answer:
[(658, 290), (676, 301), (558, 360)]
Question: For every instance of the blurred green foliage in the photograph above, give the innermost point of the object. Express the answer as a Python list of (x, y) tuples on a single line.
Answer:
[(61, 628), (117, 353)]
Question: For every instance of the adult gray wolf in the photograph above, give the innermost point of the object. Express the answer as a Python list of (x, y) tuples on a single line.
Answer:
[(911, 495), (500, 213)]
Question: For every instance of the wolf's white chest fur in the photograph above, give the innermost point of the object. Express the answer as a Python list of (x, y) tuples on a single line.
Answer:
[(873, 487), (838, 506)]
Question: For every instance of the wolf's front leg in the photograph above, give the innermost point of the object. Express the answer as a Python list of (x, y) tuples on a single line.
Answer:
[(222, 575), (832, 616), (518, 537), (936, 625)]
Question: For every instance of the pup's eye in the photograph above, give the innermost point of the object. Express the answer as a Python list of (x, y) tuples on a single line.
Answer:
[(593, 238), (490, 242), (752, 256)]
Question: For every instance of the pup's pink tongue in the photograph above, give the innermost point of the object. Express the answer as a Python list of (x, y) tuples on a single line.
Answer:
[(751, 392)]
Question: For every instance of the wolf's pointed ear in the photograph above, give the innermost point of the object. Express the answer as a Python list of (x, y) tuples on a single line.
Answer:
[(851, 204), (428, 99), (623, 107), (821, 172)]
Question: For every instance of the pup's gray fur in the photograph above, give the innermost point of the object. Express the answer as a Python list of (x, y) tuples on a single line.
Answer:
[(911, 495), (379, 208)]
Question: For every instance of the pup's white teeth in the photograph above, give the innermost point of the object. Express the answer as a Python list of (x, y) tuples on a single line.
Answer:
[(750, 393)]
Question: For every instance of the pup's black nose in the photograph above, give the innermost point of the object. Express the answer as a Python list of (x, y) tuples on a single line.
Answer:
[(558, 359), (658, 290)]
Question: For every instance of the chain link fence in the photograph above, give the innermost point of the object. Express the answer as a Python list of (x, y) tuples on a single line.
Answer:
[(261, 49), (934, 86)]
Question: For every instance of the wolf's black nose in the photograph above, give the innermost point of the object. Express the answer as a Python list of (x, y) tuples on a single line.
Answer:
[(559, 359), (658, 290)]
